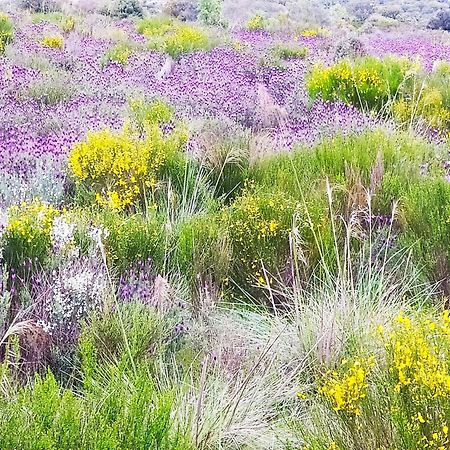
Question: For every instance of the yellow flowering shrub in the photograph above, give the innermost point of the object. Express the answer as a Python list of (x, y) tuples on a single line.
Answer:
[(182, 39), (6, 31), (121, 168), (256, 22), (418, 358), (368, 82), (259, 225), (27, 234), (173, 37), (155, 26), (155, 111), (68, 25), (346, 390), (55, 41), (404, 390), (120, 54), (314, 32)]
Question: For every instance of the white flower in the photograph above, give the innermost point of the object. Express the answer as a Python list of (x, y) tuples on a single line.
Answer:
[(98, 234), (61, 233)]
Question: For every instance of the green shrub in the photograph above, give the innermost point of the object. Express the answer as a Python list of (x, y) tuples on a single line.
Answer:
[(120, 54), (144, 112), (290, 52), (6, 31), (27, 236), (113, 407), (155, 26), (131, 238), (425, 213), (224, 152), (368, 82), (129, 334), (182, 39), (304, 170), (210, 12), (259, 223), (202, 249), (123, 169), (257, 22)]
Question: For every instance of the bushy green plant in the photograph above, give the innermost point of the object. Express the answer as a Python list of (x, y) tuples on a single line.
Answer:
[(202, 248), (210, 12), (6, 31), (259, 223), (143, 112), (306, 169), (126, 238), (368, 82), (129, 334), (113, 407), (290, 52), (27, 236), (182, 39), (119, 54), (55, 17), (257, 22), (426, 227), (123, 169), (155, 26)]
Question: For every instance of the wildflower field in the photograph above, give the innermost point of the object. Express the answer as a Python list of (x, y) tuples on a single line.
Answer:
[(222, 235)]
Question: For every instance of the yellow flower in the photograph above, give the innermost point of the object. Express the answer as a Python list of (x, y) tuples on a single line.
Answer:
[(345, 392)]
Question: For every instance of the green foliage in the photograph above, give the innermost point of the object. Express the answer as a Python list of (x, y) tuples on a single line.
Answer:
[(290, 52), (257, 22), (172, 37), (54, 17), (6, 31), (182, 39), (129, 334), (426, 224), (115, 407), (144, 112), (210, 12), (132, 238), (368, 82), (202, 248), (120, 54), (27, 236), (155, 26), (259, 223), (305, 170)]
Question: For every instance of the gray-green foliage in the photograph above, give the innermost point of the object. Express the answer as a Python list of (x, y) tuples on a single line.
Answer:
[(210, 12)]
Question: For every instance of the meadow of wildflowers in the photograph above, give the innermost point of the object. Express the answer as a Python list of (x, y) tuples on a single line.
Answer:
[(222, 235)]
